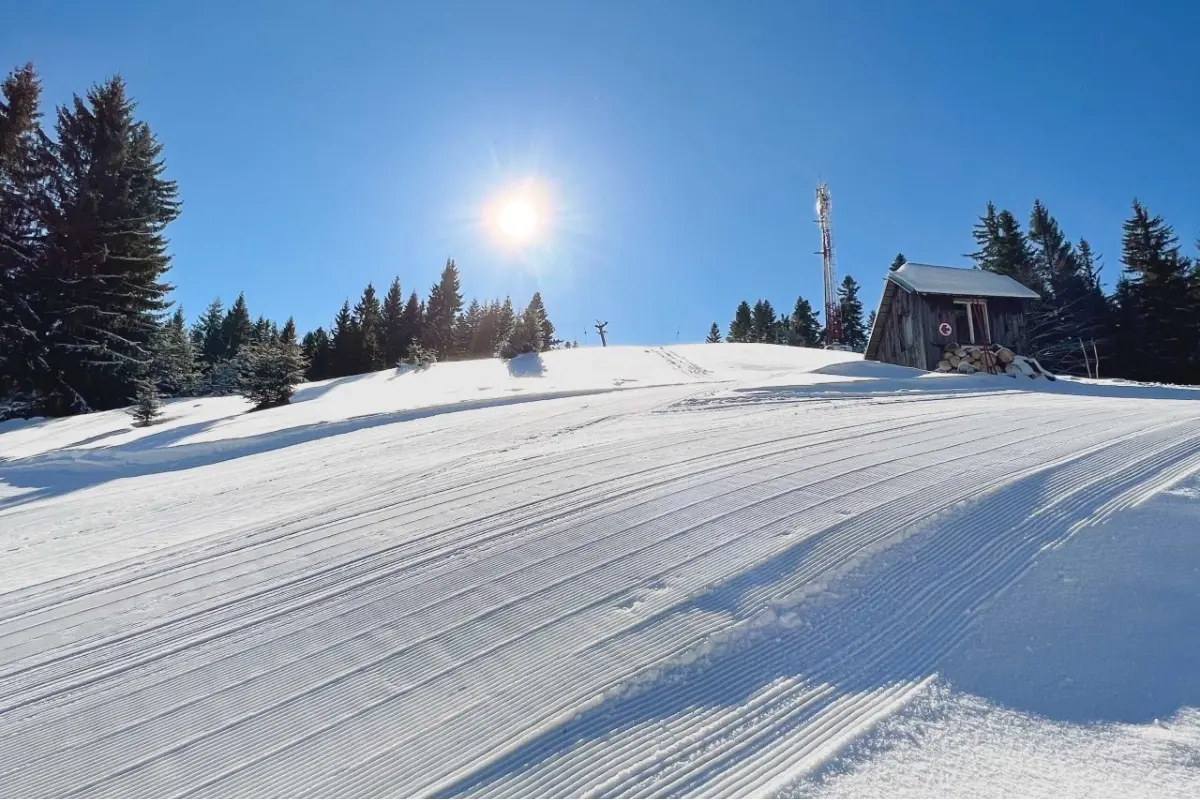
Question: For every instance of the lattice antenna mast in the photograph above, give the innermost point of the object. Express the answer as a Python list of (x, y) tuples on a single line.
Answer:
[(833, 322)]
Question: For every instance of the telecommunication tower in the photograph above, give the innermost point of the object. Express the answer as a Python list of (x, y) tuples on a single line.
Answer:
[(833, 322)]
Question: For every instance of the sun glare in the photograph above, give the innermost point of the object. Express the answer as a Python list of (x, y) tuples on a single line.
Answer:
[(519, 216), (518, 219)]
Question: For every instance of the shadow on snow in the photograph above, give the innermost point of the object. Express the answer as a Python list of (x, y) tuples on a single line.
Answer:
[(64, 471), (1119, 645)]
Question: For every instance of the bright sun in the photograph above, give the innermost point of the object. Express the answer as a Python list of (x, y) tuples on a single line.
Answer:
[(519, 216), (518, 220)]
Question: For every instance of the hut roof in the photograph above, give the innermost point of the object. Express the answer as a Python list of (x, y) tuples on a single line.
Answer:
[(928, 279)]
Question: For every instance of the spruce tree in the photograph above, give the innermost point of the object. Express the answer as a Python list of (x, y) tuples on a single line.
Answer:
[(392, 320), (441, 310), (525, 335), (1072, 307), (316, 349), (288, 332), (23, 288), (537, 308), (1157, 334), (236, 327), (486, 333), (1095, 312), (369, 318), (850, 309), (714, 334), (174, 370), (805, 328), (899, 261), (207, 335), (268, 371), (104, 213), (433, 336), (505, 319), (411, 322), (743, 322), (870, 324), (345, 351), (760, 321), (262, 330), (1004, 249), (146, 405), (466, 328)]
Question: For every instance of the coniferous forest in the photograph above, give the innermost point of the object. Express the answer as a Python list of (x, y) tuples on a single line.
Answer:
[(86, 320)]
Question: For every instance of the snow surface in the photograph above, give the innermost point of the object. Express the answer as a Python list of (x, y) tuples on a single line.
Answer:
[(702, 570)]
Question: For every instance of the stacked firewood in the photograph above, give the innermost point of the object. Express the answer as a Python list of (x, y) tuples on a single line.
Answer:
[(995, 359)]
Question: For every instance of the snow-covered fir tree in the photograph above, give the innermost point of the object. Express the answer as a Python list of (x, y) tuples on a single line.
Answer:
[(269, 370)]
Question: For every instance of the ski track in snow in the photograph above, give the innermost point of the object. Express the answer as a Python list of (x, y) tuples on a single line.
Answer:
[(646, 592)]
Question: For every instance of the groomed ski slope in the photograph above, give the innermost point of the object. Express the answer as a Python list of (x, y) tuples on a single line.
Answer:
[(711, 570)]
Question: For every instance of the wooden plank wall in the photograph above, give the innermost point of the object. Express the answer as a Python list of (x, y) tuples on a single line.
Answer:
[(905, 333), (910, 337)]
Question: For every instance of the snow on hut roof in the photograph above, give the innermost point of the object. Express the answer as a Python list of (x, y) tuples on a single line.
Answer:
[(928, 279)]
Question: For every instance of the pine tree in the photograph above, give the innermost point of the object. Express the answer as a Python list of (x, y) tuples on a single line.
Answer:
[(743, 322), (236, 329), (714, 334), (268, 371), (805, 328), (870, 324), (369, 318), (146, 405), (850, 310), (1157, 335), (23, 287), (345, 351), (104, 213), (174, 370), (394, 339), (316, 349), (899, 261)]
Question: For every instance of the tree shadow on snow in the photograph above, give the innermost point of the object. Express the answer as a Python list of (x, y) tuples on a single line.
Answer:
[(898, 618), (63, 471), (314, 391), (526, 365), (1105, 628)]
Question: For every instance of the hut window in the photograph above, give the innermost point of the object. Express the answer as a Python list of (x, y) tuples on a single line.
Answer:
[(971, 320)]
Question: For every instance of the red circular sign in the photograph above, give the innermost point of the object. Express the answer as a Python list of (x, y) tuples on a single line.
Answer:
[(944, 329)]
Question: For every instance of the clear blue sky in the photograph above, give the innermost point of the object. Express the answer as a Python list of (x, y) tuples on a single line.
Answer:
[(321, 145)]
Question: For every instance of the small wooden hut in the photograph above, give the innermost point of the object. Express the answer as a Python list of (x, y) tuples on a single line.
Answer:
[(924, 308)]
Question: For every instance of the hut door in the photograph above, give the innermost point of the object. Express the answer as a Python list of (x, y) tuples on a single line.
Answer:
[(970, 321), (962, 324)]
